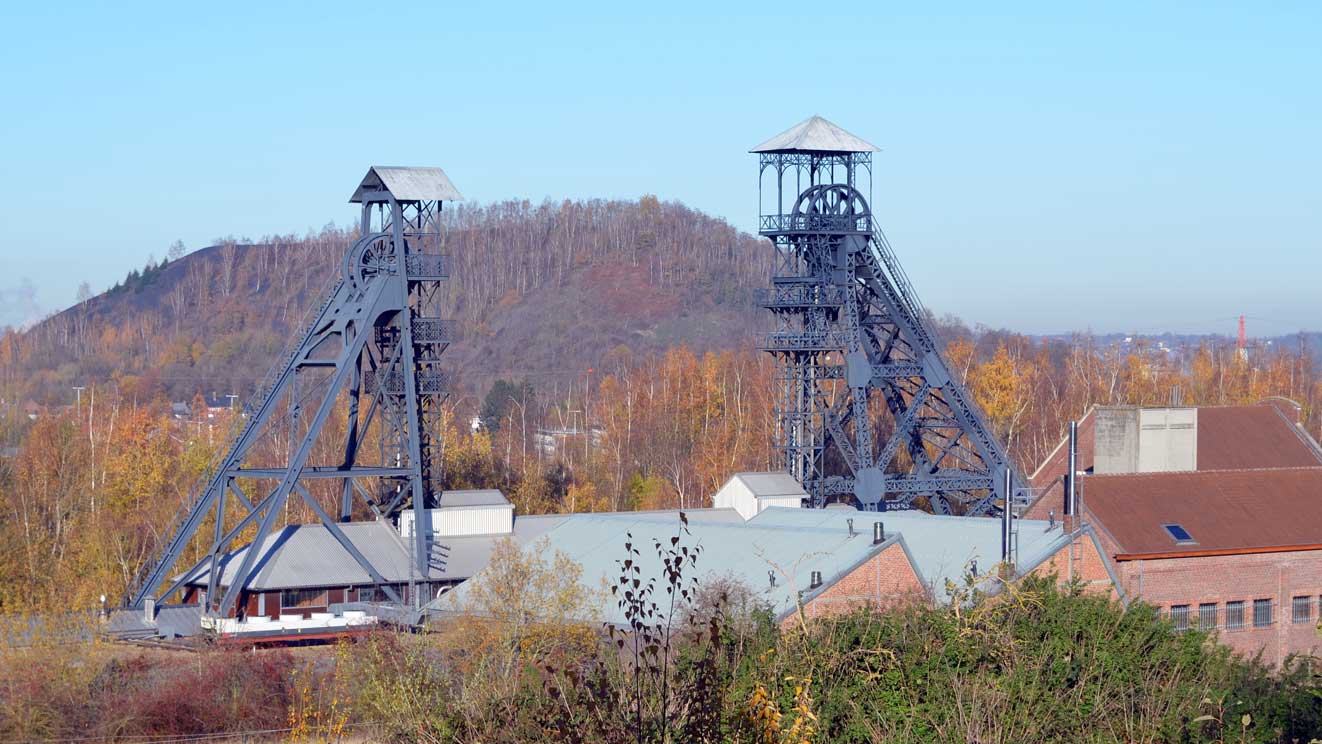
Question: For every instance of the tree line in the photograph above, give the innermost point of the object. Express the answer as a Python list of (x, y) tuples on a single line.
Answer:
[(88, 492)]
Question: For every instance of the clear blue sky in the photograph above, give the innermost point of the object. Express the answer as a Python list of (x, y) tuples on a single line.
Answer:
[(1044, 168)]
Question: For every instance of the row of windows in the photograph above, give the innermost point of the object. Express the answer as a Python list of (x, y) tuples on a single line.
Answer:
[(1182, 615), (316, 598)]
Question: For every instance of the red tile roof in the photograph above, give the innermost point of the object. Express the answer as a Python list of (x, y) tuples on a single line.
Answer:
[(1236, 437), (1227, 511), (1229, 438)]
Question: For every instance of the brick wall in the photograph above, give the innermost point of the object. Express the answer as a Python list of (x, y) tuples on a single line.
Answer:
[(884, 580), (1218, 579), (1079, 559)]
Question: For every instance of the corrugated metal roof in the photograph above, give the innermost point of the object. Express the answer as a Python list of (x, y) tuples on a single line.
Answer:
[(171, 621), (772, 484), (482, 497), (941, 546), (408, 184), (741, 551), (308, 555), (799, 541), (815, 135), (462, 557), (1226, 510)]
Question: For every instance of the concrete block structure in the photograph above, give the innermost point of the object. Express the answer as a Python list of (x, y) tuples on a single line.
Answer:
[(1231, 544)]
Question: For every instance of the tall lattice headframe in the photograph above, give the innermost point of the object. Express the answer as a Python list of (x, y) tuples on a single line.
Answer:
[(867, 410), (347, 418)]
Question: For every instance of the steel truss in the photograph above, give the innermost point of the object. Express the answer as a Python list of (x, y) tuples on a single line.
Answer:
[(372, 351), (867, 410)]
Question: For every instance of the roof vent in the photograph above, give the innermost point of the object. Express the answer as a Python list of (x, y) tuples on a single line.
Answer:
[(878, 533), (1180, 535), (850, 522), (771, 578), (816, 580)]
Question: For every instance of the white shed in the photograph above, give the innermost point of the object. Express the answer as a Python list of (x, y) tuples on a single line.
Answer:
[(750, 493), (466, 514)]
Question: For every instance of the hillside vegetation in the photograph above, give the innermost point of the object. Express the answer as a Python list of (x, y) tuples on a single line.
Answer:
[(676, 400), (539, 290)]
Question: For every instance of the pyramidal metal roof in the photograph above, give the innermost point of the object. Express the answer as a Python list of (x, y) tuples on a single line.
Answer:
[(815, 134), (408, 184)]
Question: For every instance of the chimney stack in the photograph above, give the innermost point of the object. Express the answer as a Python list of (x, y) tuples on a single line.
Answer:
[(1072, 473), (1007, 518)]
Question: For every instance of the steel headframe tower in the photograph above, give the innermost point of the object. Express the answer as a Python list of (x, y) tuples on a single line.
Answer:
[(867, 408), (372, 349)]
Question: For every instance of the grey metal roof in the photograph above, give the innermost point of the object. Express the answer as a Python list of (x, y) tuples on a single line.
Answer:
[(408, 184), (309, 556), (941, 546), (735, 550), (772, 484), (171, 621), (483, 497), (799, 541), (462, 557), (815, 134)]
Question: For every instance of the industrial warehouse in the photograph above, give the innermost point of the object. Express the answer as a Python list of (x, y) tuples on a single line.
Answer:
[(1140, 504)]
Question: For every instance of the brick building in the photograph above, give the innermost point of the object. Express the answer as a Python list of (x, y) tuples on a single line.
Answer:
[(1220, 527), (823, 560)]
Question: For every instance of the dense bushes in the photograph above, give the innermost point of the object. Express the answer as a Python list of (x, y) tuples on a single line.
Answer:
[(90, 690), (1038, 664)]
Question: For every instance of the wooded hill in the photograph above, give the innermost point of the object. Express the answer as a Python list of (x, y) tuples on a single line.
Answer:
[(541, 291)]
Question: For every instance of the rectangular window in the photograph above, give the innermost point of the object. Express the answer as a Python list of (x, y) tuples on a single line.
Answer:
[(1207, 616), (1180, 616), (1234, 615), (1301, 609), (1262, 613), (378, 594), (300, 598)]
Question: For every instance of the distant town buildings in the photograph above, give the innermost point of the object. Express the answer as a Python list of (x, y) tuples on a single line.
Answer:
[(554, 441)]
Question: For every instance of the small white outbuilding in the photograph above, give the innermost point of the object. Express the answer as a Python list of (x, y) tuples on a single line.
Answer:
[(750, 493), (465, 514)]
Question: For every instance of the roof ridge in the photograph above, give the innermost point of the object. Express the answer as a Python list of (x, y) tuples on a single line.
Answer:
[(1300, 431), (1208, 473)]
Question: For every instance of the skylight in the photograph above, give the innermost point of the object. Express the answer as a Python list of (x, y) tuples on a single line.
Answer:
[(1179, 534)]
